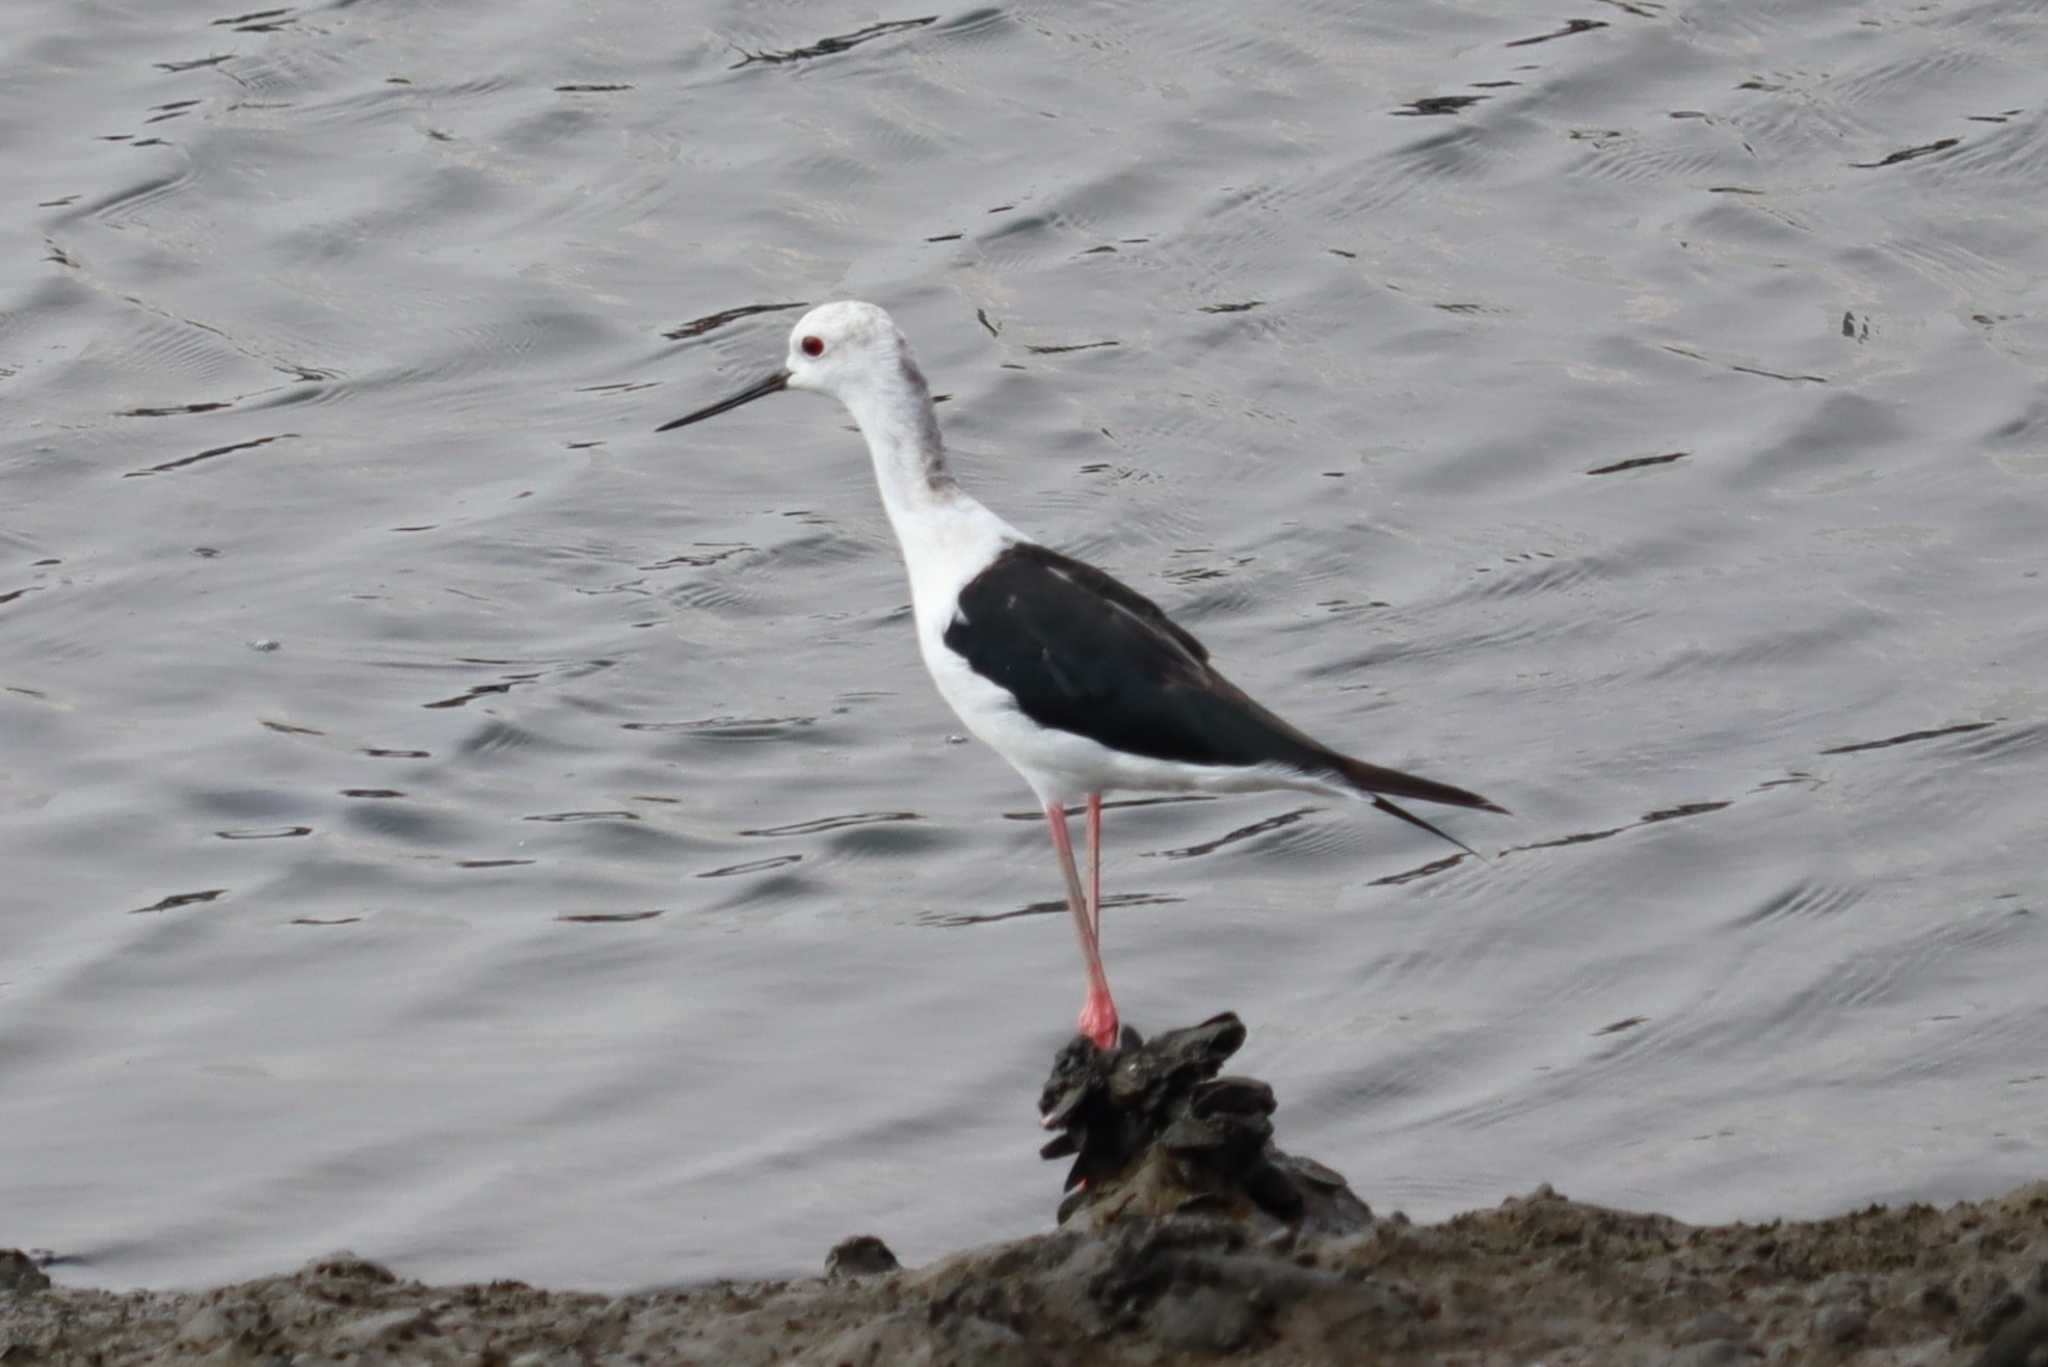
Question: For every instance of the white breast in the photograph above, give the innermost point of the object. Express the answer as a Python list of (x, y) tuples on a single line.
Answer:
[(945, 544)]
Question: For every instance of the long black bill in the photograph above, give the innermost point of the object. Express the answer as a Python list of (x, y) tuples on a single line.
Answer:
[(772, 385)]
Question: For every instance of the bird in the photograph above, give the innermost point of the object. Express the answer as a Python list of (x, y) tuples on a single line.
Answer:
[(1082, 683)]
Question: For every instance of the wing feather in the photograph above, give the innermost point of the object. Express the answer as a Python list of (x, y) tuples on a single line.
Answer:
[(1082, 652)]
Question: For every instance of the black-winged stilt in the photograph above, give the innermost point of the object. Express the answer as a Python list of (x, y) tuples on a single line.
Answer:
[(1082, 683)]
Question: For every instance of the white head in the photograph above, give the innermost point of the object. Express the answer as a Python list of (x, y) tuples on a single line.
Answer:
[(848, 350), (841, 348)]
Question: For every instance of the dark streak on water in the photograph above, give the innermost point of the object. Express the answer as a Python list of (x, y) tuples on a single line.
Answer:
[(1571, 27), (752, 866), (1910, 737), (1925, 149), (834, 823), (697, 327), (1275, 822), (1075, 346), (1638, 463), (826, 47), (726, 728), (1647, 819), (175, 410), (476, 691), (1438, 104), (1433, 867), (1110, 902), (209, 454), (180, 899)]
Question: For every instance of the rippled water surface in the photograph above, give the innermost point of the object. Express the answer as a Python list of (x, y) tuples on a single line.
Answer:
[(441, 817)]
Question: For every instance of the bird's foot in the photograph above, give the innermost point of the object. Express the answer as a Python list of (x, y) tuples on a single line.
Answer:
[(1099, 1022)]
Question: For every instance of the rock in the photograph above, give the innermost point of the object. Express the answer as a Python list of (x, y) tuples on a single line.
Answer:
[(540, 1357), (1842, 1305), (905, 1340), (206, 1327), (1208, 1319), (1714, 1324), (1353, 1316), (19, 1273), (987, 1344), (1153, 1130), (862, 1255), (1927, 1353), (1205, 1285), (1937, 1299), (1840, 1323), (2014, 1321), (389, 1326), (2001, 1304), (1842, 1288), (344, 1266), (2023, 1342), (1710, 1353)]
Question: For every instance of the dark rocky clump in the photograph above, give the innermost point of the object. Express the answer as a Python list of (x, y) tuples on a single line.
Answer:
[(1153, 1130), (862, 1255), (18, 1272)]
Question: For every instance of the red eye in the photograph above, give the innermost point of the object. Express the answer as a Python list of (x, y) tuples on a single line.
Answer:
[(813, 346)]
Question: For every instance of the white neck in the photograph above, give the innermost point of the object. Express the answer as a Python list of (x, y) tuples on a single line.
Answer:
[(895, 415), (945, 536)]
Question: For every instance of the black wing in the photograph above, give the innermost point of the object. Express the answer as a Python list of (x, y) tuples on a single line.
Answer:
[(1107, 587), (1082, 652)]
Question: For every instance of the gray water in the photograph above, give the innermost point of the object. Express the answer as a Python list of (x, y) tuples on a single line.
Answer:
[(442, 818)]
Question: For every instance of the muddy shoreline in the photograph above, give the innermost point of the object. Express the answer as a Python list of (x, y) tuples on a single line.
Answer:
[(1539, 1278), (1186, 1235)]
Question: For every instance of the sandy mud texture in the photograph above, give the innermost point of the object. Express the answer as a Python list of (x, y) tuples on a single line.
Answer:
[(1185, 1237)]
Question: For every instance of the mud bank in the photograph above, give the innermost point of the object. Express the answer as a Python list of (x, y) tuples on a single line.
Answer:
[(1541, 1278), (1187, 1236)]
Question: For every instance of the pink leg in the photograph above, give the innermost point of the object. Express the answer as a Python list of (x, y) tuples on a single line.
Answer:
[(1095, 866), (1098, 1015)]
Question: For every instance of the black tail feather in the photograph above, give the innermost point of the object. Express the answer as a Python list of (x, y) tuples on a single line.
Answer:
[(1372, 779), (1412, 819), (1376, 783)]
